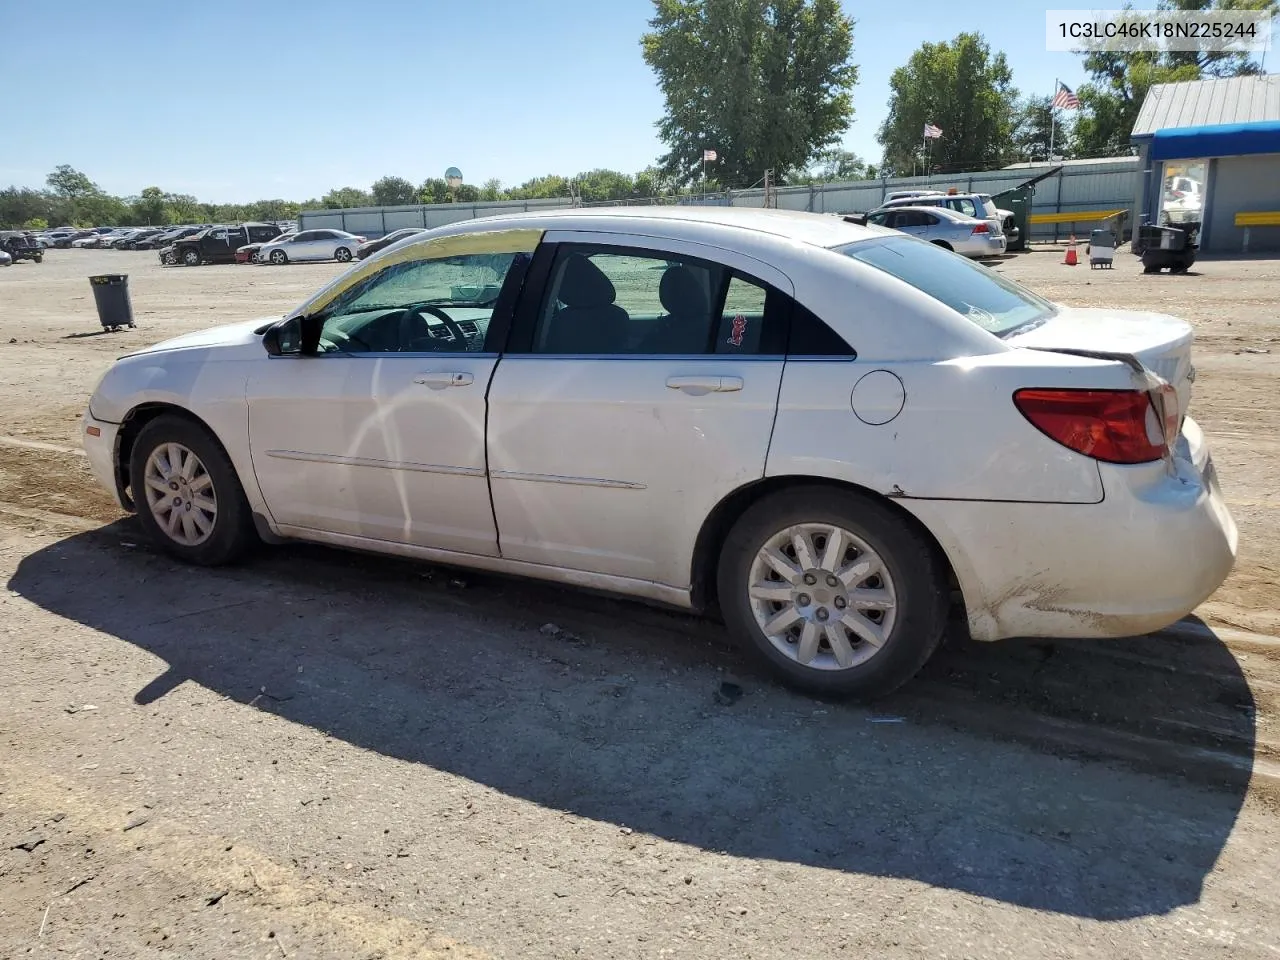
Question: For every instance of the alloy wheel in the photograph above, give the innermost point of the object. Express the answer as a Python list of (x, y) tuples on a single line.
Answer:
[(180, 494), (822, 596)]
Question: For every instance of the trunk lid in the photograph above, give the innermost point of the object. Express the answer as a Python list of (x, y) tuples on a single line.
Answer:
[(1162, 343)]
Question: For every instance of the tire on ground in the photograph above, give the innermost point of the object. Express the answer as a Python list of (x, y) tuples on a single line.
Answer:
[(233, 531), (918, 573)]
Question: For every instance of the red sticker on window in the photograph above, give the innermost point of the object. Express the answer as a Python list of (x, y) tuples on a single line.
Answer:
[(739, 329)]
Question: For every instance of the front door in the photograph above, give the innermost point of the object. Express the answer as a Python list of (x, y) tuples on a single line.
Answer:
[(639, 388), (379, 435)]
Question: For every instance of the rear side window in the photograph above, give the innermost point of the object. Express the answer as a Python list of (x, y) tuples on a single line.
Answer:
[(616, 301), (810, 337)]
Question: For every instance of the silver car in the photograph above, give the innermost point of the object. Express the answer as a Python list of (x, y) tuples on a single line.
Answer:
[(950, 230), (311, 245)]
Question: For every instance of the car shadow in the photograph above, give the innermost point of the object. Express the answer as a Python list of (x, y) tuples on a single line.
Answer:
[(614, 711)]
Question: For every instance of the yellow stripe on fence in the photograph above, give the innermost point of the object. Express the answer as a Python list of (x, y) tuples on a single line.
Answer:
[(1076, 216), (1258, 218)]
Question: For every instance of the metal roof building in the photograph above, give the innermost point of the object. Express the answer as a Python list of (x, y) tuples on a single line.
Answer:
[(1210, 152)]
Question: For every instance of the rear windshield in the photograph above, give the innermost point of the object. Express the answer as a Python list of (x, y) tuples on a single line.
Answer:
[(978, 293)]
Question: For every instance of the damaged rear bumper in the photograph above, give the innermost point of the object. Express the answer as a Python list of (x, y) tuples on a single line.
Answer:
[(1159, 544)]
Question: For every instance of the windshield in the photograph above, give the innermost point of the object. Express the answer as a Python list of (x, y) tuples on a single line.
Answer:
[(977, 293)]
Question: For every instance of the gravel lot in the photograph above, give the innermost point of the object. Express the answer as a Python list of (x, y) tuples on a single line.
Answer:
[(325, 755)]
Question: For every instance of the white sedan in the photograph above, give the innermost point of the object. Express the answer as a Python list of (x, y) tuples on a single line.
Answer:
[(311, 245), (830, 433)]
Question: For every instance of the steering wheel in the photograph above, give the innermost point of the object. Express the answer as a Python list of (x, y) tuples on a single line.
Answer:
[(456, 332)]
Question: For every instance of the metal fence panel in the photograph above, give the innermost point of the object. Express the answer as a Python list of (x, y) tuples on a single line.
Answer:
[(1103, 185)]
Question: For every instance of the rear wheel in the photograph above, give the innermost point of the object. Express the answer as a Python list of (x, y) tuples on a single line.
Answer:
[(278, 257), (836, 592), (342, 255), (187, 494)]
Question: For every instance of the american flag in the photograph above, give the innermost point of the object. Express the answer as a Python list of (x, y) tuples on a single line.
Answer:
[(1064, 99), (708, 156), (931, 132)]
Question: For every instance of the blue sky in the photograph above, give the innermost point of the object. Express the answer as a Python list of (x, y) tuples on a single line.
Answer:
[(237, 101)]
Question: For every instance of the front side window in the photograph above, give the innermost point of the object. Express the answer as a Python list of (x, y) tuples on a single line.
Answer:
[(440, 305), (965, 206), (996, 304)]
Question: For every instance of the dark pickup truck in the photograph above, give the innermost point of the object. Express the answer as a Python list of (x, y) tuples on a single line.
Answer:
[(217, 244), (21, 245)]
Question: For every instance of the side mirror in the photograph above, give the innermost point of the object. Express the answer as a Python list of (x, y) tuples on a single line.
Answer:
[(283, 338)]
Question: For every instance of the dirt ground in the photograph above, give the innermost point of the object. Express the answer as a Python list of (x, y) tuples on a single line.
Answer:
[(325, 755)]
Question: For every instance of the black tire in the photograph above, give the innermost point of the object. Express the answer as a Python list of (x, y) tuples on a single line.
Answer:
[(918, 574), (233, 531), (38, 258), (279, 257), (342, 255), (190, 258), (1150, 269)]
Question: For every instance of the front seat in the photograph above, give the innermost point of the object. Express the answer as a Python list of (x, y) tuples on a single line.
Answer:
[(590, 321), (686, 327)]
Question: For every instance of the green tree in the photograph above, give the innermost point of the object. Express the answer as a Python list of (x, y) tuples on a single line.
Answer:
[(653, 182), (962, 88), (433, 190), (597, 185), (765, 83), (149, 209), (466, 193), (347, 197), (1032, 132), (36, 223), (491, 189), (1119, 80), (542, 188), (20, 204), (394, 192), (70, 184), (837, 164)]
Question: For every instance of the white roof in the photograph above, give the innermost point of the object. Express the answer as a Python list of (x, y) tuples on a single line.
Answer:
[(1196, 103), (815, 229)]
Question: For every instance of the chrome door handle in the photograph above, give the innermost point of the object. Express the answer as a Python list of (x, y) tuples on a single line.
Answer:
[(701, 385), (444, 379)]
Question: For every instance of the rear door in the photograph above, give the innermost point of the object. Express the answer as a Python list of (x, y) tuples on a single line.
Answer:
[(638, 389)]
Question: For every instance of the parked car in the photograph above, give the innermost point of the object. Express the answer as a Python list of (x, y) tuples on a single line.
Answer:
[(967, 236), (978, 205), (312, 245), (249, 252), (21, 245), (217, 244), (55, 238), (822, 430), (139, 238), (5, 259), (370, 247)]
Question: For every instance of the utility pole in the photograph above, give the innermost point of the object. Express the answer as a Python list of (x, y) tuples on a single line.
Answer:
[(770, 195)]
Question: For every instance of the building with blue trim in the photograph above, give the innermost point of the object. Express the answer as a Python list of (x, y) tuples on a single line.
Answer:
[(1210, 150)]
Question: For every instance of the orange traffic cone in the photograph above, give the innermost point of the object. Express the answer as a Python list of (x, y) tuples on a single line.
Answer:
[(1071, 260)]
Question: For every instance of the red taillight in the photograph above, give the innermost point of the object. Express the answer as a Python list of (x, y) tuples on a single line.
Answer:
[(1116, 426), (982, 228)]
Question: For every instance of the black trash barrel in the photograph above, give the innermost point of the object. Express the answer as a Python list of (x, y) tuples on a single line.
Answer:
[(111, 294)]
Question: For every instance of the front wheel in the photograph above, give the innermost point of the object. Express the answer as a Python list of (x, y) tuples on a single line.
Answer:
[(279, 257), (835, 591), (191, 258), (188, 497), (38, 258), (342, 255)]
